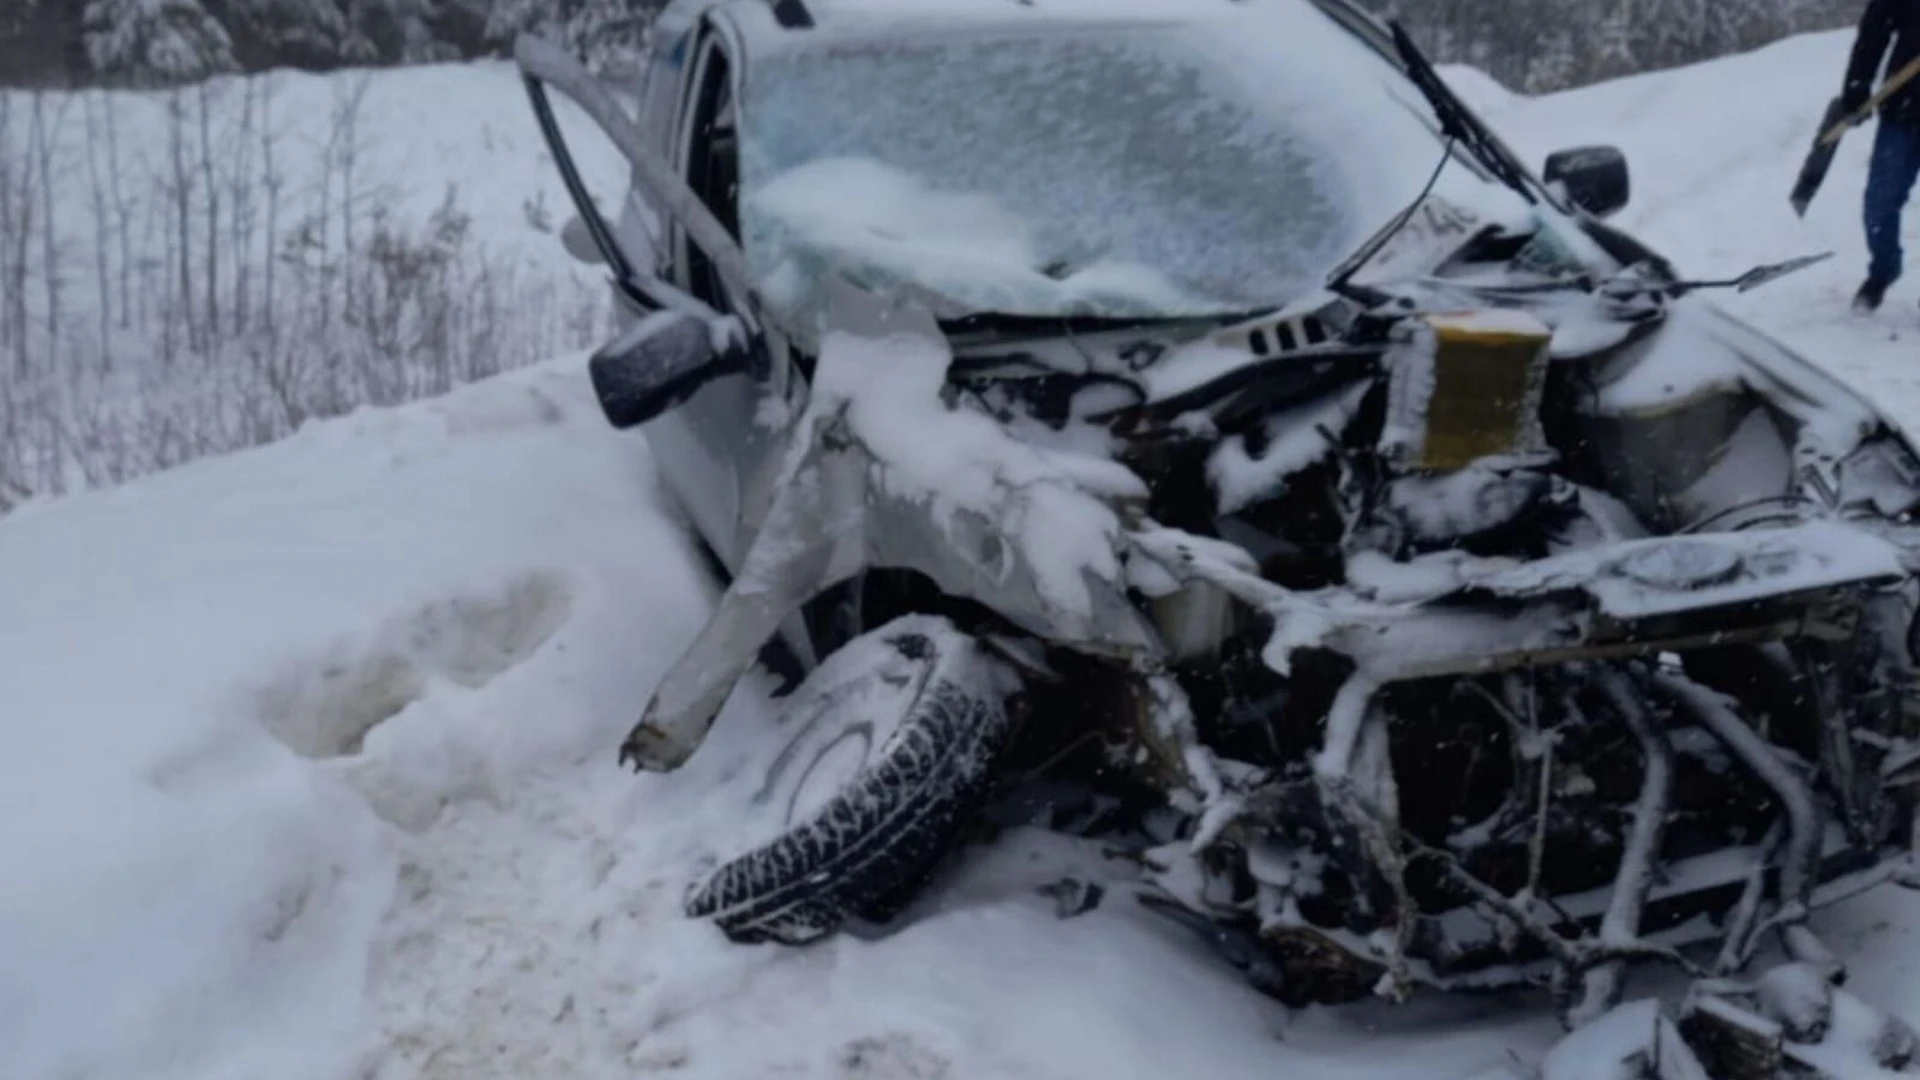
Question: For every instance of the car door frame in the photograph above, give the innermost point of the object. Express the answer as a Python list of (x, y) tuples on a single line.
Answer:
[(737, 421), (719, 451)]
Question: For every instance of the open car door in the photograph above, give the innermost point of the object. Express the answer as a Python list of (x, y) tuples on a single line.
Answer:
[(680, 343), (699, 376)]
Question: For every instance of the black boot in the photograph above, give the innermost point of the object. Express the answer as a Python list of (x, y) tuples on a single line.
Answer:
[(1872, 291)]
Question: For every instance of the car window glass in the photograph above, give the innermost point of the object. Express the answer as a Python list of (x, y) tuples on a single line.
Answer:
[(1129, 170), (712, 163)]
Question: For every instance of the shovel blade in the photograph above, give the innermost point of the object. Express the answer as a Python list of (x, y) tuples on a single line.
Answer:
[(1760, 275), (1813, 171)]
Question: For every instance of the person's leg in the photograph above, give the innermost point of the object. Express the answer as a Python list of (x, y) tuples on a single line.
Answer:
[(1890, 178)]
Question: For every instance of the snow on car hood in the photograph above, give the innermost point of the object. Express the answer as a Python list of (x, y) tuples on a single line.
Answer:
[(1138, 168)]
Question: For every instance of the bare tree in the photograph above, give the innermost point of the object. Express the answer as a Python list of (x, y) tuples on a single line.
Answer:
[(211, 312)]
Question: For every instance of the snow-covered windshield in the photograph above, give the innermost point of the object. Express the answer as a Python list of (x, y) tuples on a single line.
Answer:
[(1135, 169)]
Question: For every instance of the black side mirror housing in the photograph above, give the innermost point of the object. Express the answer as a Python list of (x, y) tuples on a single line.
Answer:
[(660, 362), (1594, 177)]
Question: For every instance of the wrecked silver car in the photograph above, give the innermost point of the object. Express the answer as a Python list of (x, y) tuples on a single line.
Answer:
[(1201, 418)]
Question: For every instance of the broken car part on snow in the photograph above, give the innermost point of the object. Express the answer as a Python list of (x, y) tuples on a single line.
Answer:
[(1481, 610)]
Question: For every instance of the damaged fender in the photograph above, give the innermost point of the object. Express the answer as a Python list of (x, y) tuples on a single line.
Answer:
[(831, 519)]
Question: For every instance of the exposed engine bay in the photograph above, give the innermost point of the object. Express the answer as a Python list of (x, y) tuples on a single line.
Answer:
[(1531, 625)]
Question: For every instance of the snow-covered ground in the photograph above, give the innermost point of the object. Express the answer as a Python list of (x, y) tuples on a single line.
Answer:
[(307, 771)]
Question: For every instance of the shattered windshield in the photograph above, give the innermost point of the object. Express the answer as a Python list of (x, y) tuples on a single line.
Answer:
[(1134, 170)]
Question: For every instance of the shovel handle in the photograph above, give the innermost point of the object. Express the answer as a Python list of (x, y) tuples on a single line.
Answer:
[(1894, 82)]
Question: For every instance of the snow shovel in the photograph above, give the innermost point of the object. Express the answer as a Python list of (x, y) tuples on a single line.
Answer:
[(1838, 119)]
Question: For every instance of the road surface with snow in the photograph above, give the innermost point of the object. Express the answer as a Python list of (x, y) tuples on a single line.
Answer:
[(308, 752)]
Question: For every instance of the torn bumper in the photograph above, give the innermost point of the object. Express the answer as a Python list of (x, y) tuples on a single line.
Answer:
[(1459, 616)]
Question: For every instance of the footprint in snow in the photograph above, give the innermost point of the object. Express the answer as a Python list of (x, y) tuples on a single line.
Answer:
[(326, 708), (891, 1057)]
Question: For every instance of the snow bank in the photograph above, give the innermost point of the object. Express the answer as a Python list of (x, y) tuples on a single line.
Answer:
[(444, 595)]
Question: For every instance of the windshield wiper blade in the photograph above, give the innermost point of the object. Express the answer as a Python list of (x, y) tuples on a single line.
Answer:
[(1747, 282), (1458, 125), (1042, 326), (1456, 120)]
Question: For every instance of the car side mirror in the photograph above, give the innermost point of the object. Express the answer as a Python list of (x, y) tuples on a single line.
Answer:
[(577, 238), (1594, 178), (661, 361)]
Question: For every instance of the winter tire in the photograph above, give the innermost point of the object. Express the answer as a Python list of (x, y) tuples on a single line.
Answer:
[(887, 747)]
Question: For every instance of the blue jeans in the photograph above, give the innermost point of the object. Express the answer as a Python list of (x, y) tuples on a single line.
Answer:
[(1890, 176)]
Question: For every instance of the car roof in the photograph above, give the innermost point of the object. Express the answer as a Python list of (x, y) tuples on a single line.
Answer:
[(808, 14), (828, 11), (832, 18)]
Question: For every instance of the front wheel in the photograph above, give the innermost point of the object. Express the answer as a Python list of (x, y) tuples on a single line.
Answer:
[(886, 748)]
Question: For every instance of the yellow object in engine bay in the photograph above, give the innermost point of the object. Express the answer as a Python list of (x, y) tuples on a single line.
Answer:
[(1464, 387)]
